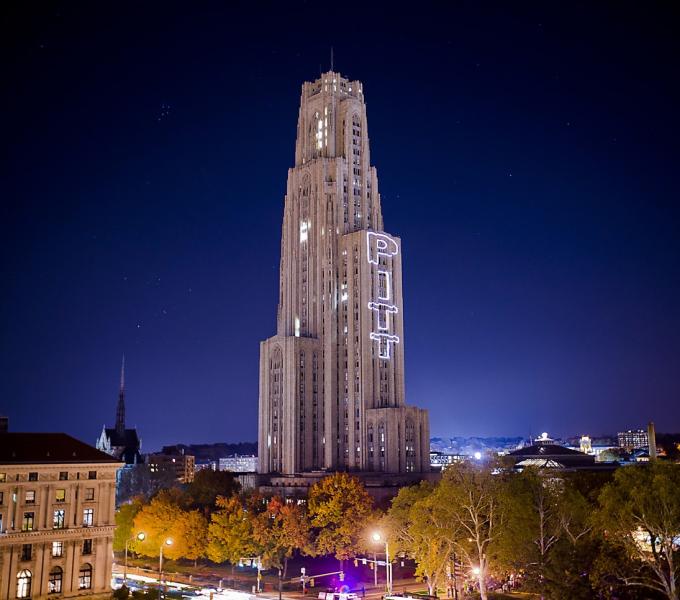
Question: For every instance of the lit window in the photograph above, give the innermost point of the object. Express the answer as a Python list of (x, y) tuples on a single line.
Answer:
[(85, 577), (88, 517), (60, 495), (54, 582), (57, 549), (27, 523), (30, 497), (24, 584), (58, 519)]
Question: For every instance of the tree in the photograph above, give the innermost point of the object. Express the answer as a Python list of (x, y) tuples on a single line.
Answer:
[(279, 531), (340, 510), (159, 520), (207, 485), (231, 531), (417, 526), (193, 530), (125, 517), (533, 524), (470, 497), (639, 514)]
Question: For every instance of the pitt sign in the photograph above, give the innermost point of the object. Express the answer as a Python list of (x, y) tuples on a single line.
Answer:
[(382, 245)]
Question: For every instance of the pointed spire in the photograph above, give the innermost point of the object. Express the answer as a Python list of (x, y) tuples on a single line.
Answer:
[(120, 409), (332, 58)]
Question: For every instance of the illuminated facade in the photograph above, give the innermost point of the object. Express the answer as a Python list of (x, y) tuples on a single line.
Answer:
[(332, 378), (57, 517)]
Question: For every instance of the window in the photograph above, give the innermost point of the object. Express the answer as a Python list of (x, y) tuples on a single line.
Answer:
[(24, 584), (87, 546), (2, 497), (88, 517), (63, 475), (57, 549), (33, 476), (3, 477), (54, 582), (89, 493), (92, 475), (60, 495), (58, 519), (30, 497), (27, 525), (26, 551), (85, 577)]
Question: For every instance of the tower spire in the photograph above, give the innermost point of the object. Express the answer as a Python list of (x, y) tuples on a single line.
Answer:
[(120, 410)]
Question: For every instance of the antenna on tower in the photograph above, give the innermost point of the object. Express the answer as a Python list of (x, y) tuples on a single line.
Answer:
[(331, 58)]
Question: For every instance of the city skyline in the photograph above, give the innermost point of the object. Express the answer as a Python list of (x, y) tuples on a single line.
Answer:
[(528, 158)]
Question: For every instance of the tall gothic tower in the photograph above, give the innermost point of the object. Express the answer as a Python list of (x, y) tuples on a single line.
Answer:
[(332, 378)]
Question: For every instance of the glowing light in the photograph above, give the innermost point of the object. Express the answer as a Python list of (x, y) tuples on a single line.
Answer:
[(385, 343), (297, 326), (476, 571), (478, 456), (380, 244), (304, 228), (376, 536)]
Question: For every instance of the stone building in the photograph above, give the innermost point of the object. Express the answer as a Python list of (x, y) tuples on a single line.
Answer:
[(57, 498), (332, 378), (121, 442)]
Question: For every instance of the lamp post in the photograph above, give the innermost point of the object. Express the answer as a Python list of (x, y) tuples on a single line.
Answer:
[(167, 542), (388, 566), (140, 536)]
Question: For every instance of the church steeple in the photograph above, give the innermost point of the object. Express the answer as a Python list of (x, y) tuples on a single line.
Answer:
[(120, 410)]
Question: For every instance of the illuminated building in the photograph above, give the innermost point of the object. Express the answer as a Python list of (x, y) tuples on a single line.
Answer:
[(57, 507), (332, 378), (182, 466), (633, 439), (238, 464)]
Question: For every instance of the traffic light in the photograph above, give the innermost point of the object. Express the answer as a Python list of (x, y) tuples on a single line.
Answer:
[(342, 576)]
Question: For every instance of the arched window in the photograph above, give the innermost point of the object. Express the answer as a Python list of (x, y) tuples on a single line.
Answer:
[(24, 584), (85, 577), (54, 582)]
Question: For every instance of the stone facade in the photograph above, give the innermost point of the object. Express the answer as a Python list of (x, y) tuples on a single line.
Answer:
[(57, 506), (332, 378)]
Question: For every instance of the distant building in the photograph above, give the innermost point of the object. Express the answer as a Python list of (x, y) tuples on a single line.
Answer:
[(586, 445), (633, 439), (239, 464), (543, 455), (121, 443), (57, 498), (439, 460), (182, 465)]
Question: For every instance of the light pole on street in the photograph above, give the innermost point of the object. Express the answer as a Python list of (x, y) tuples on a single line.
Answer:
[(140, 536), (388, 565), (161, 584)]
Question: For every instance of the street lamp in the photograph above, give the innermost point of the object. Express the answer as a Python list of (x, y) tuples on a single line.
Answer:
[(140, 536), (388, 566), (167, 542)]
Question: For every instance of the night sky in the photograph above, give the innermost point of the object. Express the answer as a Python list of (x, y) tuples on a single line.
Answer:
[(527, 157)]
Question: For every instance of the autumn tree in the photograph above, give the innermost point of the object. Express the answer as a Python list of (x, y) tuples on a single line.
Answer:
[(280, 530), (231, 531), (639, 515), (192, 529), (340, 510)]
